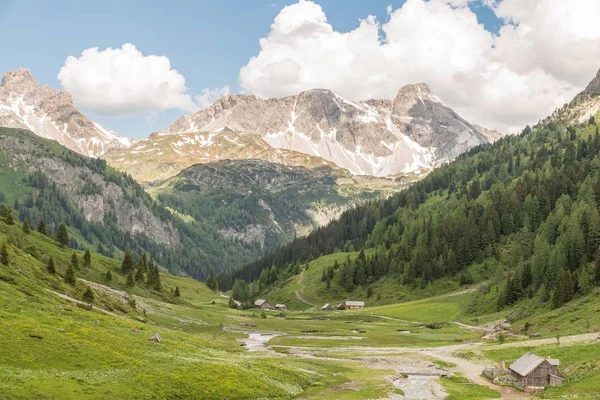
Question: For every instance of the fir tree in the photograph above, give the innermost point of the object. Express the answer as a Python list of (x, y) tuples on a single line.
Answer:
[(157, 283), (108, 276), (139, 274), (87, 259), (26, 228), (130, 280), (70, 276), (10, 219), (88, 295), (127, 264), (177, 293), (4, 254), (74, 261), (42, 228), (62, 236), (50, 266), (231, 303), (211, 281)]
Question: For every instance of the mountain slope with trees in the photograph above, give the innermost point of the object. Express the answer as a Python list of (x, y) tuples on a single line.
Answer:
[(529, 202)]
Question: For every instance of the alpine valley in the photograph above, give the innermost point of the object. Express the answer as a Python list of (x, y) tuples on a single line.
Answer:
[(307, 247)]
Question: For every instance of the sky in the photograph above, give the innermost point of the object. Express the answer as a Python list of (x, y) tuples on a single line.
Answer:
[(136, 66)]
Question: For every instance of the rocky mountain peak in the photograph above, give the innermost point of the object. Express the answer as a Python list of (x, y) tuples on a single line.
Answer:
[(51, 114), (416, 92), (594, 85), (18, 77)]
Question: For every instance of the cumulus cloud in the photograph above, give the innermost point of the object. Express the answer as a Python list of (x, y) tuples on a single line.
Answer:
[(209, 95), (124, 82), (544, 54)]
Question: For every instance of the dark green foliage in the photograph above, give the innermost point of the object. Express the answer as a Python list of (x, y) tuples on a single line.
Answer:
[(130, 280), (231, 303), (153, 277), (564, 289), (241, 292), (139, 272), (211, 281), (4, 254), (42, 228), (87, 259), (10, 219), (50, 266), (177, 293), (88, 295), (70, 276), (62, 236), (127, 265), (26, 228), (370, 292), (74, 261), (108, 276)]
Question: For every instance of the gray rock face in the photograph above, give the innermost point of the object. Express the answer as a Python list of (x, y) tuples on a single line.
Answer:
[(585, 105), (413, 132), (51, 114), (594, 86)]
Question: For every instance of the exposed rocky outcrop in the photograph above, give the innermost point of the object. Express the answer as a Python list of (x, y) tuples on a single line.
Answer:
[(51, 114)]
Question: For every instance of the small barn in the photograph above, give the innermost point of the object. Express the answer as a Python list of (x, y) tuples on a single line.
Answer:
[(280, 307), (327, 307), (263, 304), (533, 371), (353, 305)]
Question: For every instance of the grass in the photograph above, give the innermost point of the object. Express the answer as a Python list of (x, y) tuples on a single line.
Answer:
[(459, 388)]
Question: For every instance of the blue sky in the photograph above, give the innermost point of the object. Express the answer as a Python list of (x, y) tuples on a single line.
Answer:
[(208, 42)]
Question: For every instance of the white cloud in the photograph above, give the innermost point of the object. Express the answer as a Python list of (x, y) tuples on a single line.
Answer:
[(546, 53), (209, 95), (124, 82)]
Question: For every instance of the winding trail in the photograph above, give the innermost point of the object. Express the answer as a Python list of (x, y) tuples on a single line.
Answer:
[(300, 292)]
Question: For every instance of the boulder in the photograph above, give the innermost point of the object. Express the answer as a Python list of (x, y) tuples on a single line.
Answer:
[(156, 338)]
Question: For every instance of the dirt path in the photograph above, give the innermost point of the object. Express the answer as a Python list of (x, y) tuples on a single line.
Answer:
[(300, 292)]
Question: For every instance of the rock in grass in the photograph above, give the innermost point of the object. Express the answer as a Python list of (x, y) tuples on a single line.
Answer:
[(156, 338)]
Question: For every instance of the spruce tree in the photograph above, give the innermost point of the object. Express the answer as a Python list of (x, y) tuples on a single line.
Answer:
[(4, 254), (130, 280), (26, 228), (50, 266), (108, 276), (62, 236), (10, 218), (70, 276), (74, 261), (127, 264), (88, 295), (139, 273), (87, 259), (211, 281), (157, 283), (42, 228), (177, 293), (231, 303)]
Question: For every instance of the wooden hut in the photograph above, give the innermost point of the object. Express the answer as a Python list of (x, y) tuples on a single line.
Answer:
[(533, 371), (280, 307), (353, 305), (327, 307), (263, 304)]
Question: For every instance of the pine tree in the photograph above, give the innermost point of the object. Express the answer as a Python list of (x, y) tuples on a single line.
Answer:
[(139, 274), (70, 276), (26, 228), (50, 266), (74, 261), (211, 281), (88, 295), (108, 276), (42, 228), (10, 218), (231, 303), (157, 283), (177, 293), (127, 264), (87, 259), (62, 236), (4, 254), (130, 280)]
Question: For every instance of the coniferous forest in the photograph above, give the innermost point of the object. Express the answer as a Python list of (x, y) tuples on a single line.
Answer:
[(536, 194)]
